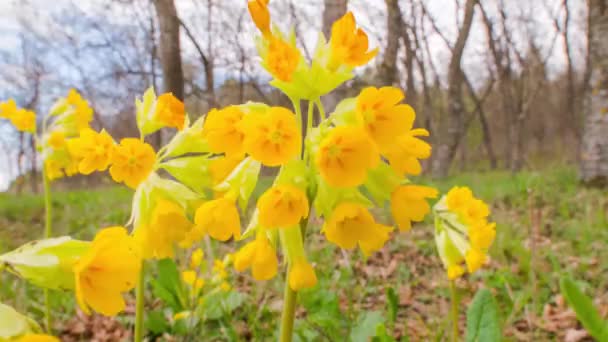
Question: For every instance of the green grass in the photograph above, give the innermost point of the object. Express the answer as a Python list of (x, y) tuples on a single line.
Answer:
[(565, 223)]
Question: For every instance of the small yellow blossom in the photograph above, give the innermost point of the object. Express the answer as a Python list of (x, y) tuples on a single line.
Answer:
[(167, 228), (225, 286), (282, 206), (408, 204), (455, 271), (351, 224), (302, 275), (379, 112), (219, 218), (82, 113), (222, 130), (349, 44), (196, 258), (219, 269), (345, 156), (92, 150), (189, 277), (56, 140), (282, 59), (273, 138), (53, 169), (24, 120), (458, 198), (474, 259), (221, 167), (258, 9), (131, 162), (406, 150), (170, 111), (110, 267), (37, 338), (260, 256), (482, 235), (8, 109), (181, 315)]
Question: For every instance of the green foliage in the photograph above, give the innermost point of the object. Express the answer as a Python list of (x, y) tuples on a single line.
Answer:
[(222, 303), (482, 318), (366, 326), (585, 311), (168, 286)]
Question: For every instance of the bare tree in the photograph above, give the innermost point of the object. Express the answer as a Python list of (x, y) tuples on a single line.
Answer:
[(594, 159), (387, 71), (170, 52), (333, 10)]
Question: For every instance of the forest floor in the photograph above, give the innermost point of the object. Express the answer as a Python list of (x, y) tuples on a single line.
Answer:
[(548, 225)]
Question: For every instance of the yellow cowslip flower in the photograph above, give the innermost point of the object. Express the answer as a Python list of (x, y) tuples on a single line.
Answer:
[(482, 235), (92, 150), (222, 131), (53, 169), (82, 113), (72, 167), (225, 286), (181, 315), (37, 338), (56, 140), (458, 198), (405, 151), (379, 112), (349, 44), (282, 206), (8, 109), (131, 162), (219, 269), (189, 277), (474, 259), (24, 120), (351, 224), (408, 204), (167, 228), (220, 168), (302, 275), (170, 111), (219, 218), (258, 9), (196, 258), (282, 59), (110, 267), (260, 256), (455, 271), (272, 138), (345, 156)]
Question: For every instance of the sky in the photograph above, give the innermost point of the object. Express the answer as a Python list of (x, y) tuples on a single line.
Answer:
[(370, 15)]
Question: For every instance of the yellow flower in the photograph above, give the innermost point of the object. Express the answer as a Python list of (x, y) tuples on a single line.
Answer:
[(219, 218), (224, 286), (482, 236), (8, 109), (37, 338), (24, 120), (282, 206), (221, 167), (258, 9), (458, 199), (196, 258), (282, 59), (260, 256), (408, 204), (53, 169), (476, 212), (56, 140), (351, 224), (92, 150), (219, 268), (474, 259), (181, 315), (302, 275), (345, 156), (349, 44), (189, 277), (379, 112), (405, 151), (455, 271), (110, 267), (170, 111), (198, 284), (132, 161), (167, 227), (273, 138), (82, 113), (222, 130)]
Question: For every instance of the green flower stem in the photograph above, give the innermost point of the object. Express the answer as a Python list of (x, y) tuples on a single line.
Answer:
[(321, 109), (298, 110), (139, 306), (454, 311), (48, 217)]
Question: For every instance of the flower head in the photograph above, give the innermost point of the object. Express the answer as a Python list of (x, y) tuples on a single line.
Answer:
[(404, 154), (56, 140), (53, 169), (258, 9), (351, 224), (37, 338), (196, 258), (8, 109), (345, 156), (260, 256), (282, 206), (409, 204), (282, 59), (379, 112), (170, 111), (273, 138), (92, 150), (302, 275), (24, 120), (132, 162), (80, 114), (349, 44), (222, 132), (219, 218), (110, 267)]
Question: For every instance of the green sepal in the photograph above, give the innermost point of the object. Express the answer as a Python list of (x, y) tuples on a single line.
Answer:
[(381, 182), (329, 197), (345, 111), (188, 140), (292, 243), (294, 172), (46, 263), (192, 171), (144, 113), (253, 226), (242, 181), (13, 324)]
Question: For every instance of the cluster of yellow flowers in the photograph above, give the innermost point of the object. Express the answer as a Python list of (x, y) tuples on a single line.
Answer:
[(193, 276), (24, 120), (462, 231)]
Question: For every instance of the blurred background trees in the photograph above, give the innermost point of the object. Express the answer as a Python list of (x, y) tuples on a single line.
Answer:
[(500, 84)]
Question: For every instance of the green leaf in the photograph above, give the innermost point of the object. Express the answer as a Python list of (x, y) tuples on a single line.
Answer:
[(168, 286), (482, 318), (14, 324), (366, 326), (221, 303), (157, 323), (381, 182), (382, 335), (585, 311), (393, 304)]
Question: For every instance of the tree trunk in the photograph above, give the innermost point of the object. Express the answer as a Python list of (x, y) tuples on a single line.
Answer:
[(170, 53), (387, 71), (333, 10), (455, 125), (594, 156)]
